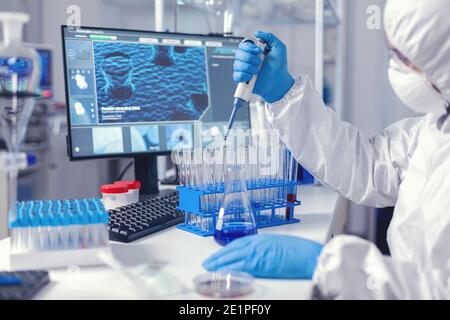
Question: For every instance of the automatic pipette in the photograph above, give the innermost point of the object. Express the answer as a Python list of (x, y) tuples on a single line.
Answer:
[(244, 90)]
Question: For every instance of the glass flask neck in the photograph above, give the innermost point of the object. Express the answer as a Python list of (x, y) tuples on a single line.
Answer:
[(12, 23), (12, 33), (235, 180)]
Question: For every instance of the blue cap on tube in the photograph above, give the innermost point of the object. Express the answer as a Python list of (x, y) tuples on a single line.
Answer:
[(74, 219), (44, 220), (84, 218), (104, 217), (16, 223), (64, 219), (53, 220), (24, 220), (34, 221)]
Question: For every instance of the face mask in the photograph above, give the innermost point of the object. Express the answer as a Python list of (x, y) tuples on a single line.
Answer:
[(414, 89)]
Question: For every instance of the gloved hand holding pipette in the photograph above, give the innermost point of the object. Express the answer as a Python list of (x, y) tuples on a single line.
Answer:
[(269, 79), (274, 79), (245, 88)]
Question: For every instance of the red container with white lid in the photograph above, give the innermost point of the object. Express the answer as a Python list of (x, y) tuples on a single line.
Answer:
[(133, 189), (115, 195)]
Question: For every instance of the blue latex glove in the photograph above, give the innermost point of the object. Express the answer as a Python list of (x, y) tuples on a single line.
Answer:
[(274, 80), (268, 256)]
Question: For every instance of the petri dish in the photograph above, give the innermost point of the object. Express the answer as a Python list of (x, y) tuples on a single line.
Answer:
[(224, 284)]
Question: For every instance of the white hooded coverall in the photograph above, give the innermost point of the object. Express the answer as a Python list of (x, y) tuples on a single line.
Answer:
[(407, 166)]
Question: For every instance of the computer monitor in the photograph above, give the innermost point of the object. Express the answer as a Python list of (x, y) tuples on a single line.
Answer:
[(140, 94)]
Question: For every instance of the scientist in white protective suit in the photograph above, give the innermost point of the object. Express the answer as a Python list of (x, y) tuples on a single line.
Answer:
[(407, 166)]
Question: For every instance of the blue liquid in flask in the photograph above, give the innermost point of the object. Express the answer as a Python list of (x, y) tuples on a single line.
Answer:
[(235, 219), (233, 231)]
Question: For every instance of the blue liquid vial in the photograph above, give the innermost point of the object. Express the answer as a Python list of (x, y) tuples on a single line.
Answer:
[(236, 218)]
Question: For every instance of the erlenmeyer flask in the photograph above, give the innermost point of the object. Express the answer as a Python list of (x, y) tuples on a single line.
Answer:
[(235, 218)]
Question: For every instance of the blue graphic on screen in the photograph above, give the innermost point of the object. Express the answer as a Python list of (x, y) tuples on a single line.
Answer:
[(144, 138), (81, 82), (149, 83), (179, 136), (82, 111), (107, 140)]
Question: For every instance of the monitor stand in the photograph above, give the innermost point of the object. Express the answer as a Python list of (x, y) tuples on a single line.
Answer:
[(146, 171)]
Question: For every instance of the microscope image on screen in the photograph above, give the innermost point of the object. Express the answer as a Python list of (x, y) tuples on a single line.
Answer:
[(149, 83), (144, 138), (179, 136), (117, 71), (163, 55), (107, 140)]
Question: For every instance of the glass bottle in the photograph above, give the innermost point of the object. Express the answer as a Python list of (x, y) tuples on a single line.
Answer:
[(20, 72), (19, 80), (236, 218)]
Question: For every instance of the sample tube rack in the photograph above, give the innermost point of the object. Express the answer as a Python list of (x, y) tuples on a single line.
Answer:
[(52, 234), (273, 203)]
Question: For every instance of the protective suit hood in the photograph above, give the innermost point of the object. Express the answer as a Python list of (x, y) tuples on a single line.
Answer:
[(420, 30)]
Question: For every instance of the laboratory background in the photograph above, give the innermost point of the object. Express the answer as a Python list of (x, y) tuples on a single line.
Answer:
[(340, 44)]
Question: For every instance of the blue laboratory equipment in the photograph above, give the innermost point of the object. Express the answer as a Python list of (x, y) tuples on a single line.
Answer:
[(235, 219), (272, 189), (59, 225)]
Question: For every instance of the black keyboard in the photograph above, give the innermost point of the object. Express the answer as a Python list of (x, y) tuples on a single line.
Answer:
[(31, 283), (135, 221)]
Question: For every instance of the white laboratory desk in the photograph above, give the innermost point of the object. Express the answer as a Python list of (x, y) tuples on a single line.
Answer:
[(184, 252)]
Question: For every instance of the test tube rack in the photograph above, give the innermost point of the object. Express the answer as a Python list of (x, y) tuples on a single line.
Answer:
[(62, 233), (269, 213)]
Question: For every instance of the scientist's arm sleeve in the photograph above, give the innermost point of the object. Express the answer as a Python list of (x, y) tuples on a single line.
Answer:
[(366, 171), (352, 268)]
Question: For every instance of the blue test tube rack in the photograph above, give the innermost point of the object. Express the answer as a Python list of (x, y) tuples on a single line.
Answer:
[(272, 212), (59, 225)]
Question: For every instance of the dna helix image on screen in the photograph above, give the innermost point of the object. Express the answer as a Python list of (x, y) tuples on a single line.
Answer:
[(133, 81)]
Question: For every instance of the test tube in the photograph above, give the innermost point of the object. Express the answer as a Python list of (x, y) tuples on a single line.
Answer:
[(44, 235), (64, 231), (59, 225), (178, 159), (84, 226), (207, 172), (187, 161), (291, 194), (103, 229), (33, 240), (263, 172), (219, 164), (74, 231), (24, 233), (53, 236)]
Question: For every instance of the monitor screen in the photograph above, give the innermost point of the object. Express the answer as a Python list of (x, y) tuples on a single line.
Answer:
[(136, 92)]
